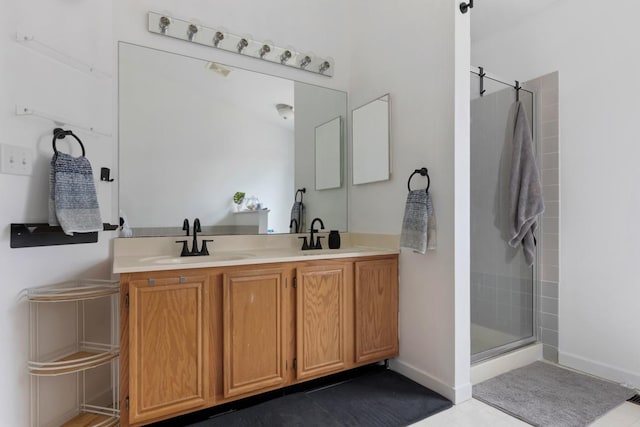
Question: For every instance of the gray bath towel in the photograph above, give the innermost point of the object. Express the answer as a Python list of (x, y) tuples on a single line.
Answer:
[(73, 203), (419, 222), (525, 192), (297, 213)]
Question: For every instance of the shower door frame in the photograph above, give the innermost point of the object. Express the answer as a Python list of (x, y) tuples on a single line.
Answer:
[(505, 348)]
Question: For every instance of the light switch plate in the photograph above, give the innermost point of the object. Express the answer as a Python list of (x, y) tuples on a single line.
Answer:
[(16, 160)]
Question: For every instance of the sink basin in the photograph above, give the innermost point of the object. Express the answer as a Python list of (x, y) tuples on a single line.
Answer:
[(169, 259)]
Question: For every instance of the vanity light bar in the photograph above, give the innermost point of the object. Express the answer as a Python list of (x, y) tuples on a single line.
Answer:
[(177, 28)]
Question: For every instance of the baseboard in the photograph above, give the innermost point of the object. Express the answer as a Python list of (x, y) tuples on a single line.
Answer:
[(463, 393), (454, 394), (598, 369), (482, 371)]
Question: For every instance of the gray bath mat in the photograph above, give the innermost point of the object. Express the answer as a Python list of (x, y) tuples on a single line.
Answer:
[(543, 394)]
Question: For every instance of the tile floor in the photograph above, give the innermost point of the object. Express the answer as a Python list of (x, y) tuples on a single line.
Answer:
[(474, 413)]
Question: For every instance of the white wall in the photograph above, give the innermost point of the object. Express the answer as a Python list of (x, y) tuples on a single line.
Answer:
[(81, 30), (590, 45), (407, 49)]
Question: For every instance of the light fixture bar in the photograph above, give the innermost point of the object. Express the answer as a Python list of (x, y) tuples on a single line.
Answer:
[(216, 38)]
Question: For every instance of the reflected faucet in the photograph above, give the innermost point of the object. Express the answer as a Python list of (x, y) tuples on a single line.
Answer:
[(316, 244), (293, 220)]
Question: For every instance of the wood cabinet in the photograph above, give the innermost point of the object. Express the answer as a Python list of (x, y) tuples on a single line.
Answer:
[(166, 346), (376, 310), (321, 319), (253, 319), (192, 339)]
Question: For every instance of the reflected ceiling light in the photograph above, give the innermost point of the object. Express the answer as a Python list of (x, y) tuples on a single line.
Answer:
[(285, 111), (217, 68)]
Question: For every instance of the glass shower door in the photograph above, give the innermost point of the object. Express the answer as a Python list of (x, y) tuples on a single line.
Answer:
[(502, 285)]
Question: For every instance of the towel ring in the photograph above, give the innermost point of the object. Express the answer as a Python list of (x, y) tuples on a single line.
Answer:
[(59, 133), (300, 191), (423, 172)]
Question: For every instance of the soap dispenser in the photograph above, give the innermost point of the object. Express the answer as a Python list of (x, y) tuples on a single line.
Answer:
[(334, 239)]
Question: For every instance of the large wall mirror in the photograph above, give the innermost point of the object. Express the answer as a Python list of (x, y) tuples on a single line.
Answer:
[(192, 133)]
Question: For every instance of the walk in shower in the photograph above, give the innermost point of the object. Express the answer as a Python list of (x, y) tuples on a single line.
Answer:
[(503, 286)]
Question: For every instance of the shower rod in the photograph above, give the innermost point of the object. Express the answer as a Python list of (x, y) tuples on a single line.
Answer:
[(480, 72)]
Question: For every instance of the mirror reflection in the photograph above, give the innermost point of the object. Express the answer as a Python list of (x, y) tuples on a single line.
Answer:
[(328, 155), (371, 141), (193, 133)]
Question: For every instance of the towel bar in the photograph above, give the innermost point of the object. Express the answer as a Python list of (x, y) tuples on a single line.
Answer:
[(423, 172), (59, 133), (42, 234)]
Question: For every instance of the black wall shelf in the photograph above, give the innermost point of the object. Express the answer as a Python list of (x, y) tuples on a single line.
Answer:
[(43, 234)]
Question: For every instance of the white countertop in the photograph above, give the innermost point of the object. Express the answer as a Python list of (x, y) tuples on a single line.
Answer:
[(158, 254), (138, 263)]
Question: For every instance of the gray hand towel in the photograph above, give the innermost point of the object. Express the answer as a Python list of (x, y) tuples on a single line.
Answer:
[(73, 203), (525, 192), (419, 222), (297, 213)]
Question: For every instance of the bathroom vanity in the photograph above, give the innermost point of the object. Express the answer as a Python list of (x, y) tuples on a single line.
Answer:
[(199, 332)]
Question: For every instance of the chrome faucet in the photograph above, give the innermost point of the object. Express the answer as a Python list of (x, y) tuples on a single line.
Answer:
[(194, 247), (316, 244)]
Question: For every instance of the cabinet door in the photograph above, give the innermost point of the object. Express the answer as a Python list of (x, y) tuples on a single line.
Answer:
[(376, 310), (166, 346), (321, 320), (253, 319)]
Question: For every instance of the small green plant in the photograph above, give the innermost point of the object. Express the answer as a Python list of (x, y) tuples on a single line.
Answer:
[(237, 198)]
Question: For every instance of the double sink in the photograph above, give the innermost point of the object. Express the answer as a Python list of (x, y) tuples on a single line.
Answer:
[(128, 264), (244, 255)]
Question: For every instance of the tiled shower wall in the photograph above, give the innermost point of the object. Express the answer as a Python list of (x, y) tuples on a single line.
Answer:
[(546, 89)]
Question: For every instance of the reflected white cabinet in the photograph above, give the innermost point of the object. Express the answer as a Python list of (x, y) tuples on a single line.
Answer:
[(252, 221), (73, 354)]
